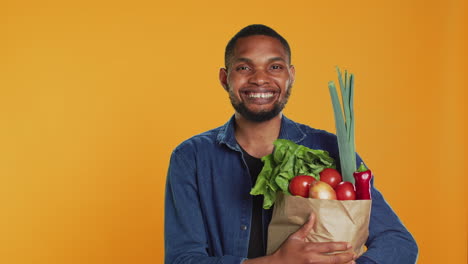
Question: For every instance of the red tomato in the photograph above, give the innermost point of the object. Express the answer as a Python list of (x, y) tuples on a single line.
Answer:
[(330, 176), (300, 185), (345, 191)]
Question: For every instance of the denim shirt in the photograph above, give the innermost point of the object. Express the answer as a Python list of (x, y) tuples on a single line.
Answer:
[(208, 206)]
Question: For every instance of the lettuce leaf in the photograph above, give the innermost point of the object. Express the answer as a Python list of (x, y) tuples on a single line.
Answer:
[(287, 161)]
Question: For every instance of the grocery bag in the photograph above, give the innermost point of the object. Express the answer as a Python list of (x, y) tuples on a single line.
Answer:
[(335, 221)]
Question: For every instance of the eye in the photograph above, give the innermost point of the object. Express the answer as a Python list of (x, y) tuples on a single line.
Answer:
[(276, 67), (242, 68)]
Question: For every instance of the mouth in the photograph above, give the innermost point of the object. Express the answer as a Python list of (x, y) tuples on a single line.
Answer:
[(259, 97)]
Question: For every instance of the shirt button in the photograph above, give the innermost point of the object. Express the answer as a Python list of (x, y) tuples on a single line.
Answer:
[(243, 227)]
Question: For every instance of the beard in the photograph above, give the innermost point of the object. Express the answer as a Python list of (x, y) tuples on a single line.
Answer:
[(263, 115)]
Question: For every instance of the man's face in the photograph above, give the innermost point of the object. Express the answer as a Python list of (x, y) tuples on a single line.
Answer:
[(258, 78)]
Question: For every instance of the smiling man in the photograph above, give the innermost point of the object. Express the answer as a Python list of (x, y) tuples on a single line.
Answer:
[(259, 77), (210, 217)]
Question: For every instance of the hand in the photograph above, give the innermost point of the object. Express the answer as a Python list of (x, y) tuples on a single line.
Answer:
[(295, 250)]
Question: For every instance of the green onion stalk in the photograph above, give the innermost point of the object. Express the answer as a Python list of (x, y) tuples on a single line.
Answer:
[(344, 122)]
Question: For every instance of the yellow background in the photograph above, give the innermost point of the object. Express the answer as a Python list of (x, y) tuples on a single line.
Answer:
[(94, 95)]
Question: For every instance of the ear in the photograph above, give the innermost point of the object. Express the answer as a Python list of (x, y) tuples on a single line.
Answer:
[(223, 78), (292, 73)]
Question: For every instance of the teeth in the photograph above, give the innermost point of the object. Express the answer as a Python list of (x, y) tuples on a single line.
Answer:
[(260, 95)]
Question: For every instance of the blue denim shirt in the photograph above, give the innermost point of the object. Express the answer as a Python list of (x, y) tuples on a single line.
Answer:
[(208, 206)]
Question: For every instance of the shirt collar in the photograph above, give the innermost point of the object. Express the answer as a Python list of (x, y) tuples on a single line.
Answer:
[(290, 130)]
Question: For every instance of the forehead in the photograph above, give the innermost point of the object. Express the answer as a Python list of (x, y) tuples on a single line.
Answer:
[(259, 46)]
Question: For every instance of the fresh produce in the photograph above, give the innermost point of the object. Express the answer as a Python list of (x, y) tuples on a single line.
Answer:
[(322, 190), (287, 161), (363, 177), (345, 125), (300, 185), (345, 134), (316, 176), (345, 191), (331, 176)]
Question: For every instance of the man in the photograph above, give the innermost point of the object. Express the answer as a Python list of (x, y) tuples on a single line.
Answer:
[(210, 217)]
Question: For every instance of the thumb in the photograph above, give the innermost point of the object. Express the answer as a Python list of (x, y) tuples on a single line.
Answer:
[(305, 229)]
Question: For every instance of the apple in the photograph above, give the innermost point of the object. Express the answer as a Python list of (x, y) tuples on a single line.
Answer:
[(322, 190)]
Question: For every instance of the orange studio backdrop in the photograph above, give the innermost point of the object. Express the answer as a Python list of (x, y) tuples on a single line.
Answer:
[(94, 95)]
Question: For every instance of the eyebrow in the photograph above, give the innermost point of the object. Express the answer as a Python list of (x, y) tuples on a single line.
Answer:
[(276, 59), (242, 59)]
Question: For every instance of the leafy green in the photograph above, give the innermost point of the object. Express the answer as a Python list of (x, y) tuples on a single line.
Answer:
[(287, 161), (345, 125)]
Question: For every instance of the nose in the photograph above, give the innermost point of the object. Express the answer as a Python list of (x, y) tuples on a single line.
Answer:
[(259, 77)]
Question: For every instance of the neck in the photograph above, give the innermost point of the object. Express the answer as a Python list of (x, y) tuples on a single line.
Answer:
[(257, 137)]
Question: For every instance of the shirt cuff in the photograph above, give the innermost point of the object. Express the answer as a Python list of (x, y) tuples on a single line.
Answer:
[(365, 260)]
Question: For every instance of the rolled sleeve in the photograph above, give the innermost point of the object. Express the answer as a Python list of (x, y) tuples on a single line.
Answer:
[(389, 241)]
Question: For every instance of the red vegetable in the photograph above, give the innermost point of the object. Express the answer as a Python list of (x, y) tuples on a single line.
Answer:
[(330, 176), (345, 191), (362, 179), (300, 185)]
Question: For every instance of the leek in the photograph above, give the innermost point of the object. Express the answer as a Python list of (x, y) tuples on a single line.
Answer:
[(344, 122)]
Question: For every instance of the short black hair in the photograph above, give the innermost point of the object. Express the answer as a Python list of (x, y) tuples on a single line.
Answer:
[(254, 30)]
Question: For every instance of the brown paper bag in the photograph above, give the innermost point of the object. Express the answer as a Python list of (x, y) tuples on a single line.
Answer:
[(335, 221)]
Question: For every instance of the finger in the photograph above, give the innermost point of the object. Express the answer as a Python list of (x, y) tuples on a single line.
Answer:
[(328, 247), (305, 228), (345, 257)]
